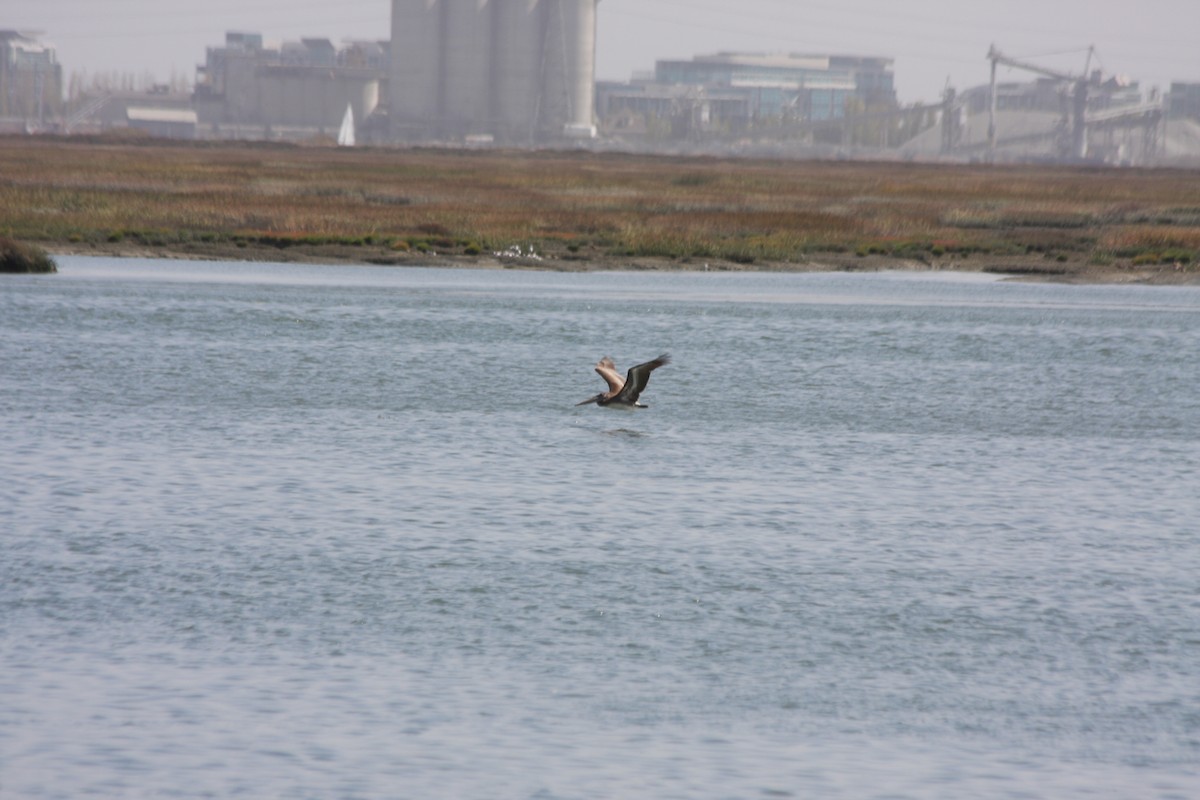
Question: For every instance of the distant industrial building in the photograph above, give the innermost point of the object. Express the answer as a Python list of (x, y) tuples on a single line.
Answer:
[(514, 71), (157, 112), (1058, 116), (737, 91), (1183, 101), (30, 81), (296, 90), (164, 123)]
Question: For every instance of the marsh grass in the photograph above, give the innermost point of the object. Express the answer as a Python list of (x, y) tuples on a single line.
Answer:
[(583, 205)]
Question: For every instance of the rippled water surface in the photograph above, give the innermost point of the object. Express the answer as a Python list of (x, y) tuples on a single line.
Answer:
[(293, 531)]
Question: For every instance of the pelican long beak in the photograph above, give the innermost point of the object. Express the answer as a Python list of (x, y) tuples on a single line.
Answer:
[(590, 400)]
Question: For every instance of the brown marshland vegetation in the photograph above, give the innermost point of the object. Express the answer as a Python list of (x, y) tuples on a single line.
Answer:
[(588, 210)]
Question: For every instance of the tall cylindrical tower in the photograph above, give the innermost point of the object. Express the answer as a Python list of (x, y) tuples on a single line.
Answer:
[(516, 78), (516, 69), (579, 20), (467, 66), (416, 66), (568, 71)]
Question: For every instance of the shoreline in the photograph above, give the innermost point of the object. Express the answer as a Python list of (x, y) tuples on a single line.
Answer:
[(579, 210), (1007, 268)]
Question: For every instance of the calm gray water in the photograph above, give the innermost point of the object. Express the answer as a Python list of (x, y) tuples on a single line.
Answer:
[(338, 532)]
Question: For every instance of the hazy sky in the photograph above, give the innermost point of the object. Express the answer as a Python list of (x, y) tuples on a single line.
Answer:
[(1153, 41)]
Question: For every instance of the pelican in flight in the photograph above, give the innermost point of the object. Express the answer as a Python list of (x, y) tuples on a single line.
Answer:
[(625, 391)]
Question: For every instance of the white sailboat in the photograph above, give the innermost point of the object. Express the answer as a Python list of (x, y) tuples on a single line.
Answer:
[(346, 134)]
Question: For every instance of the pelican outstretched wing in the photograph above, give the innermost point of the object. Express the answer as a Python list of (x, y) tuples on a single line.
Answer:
[(637, 378), (606, 369)]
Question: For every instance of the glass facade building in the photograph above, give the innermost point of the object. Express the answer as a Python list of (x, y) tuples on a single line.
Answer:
[(798, 86), (732, 93)]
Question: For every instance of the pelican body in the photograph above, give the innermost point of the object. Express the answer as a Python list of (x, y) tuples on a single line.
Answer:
[(624, 392)]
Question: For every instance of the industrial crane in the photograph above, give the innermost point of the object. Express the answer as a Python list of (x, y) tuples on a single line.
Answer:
[(1079, 98)]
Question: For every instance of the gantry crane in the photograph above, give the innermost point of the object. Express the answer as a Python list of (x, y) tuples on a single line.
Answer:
[(1079, 99)]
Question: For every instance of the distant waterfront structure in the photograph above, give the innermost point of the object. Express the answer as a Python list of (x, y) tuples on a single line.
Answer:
[(516, 71), (295, 90), (522, 73), (738, 91), (30, 81)]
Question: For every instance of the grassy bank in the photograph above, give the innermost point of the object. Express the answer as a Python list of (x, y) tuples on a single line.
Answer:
[(579, 210)]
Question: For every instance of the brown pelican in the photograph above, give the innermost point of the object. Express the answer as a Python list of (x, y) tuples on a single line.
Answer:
[(625, 391)]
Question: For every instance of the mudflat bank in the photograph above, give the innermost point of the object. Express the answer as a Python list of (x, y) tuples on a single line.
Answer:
[(1074, 271), (585, 210)]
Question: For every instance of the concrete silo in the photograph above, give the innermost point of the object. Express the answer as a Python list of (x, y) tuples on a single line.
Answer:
[(467, 42), (516, 77), (416, 79), (568, 68), (515, 69), (579, 30)]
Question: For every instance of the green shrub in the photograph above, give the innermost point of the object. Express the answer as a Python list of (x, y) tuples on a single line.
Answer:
[(18, 257), (693, 179)]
